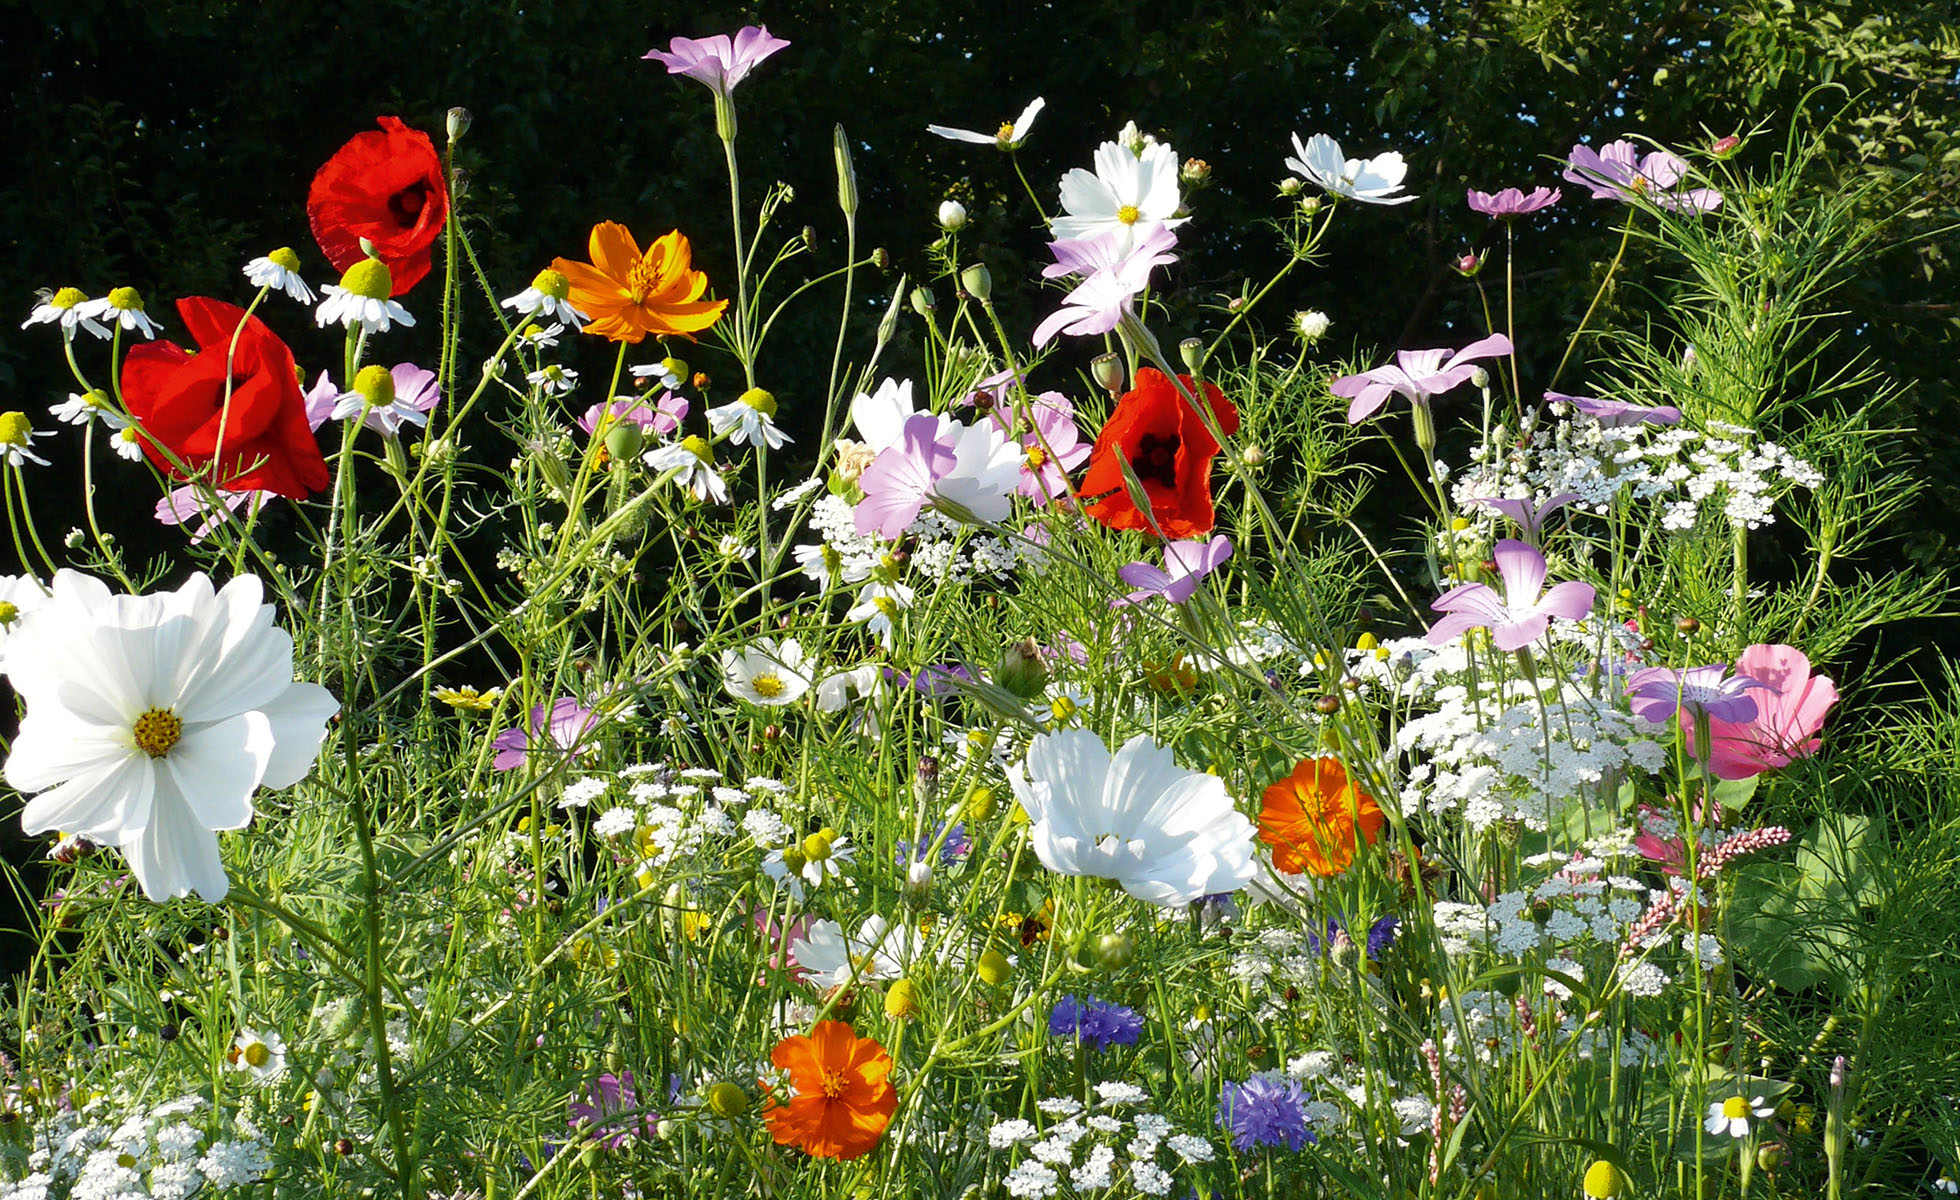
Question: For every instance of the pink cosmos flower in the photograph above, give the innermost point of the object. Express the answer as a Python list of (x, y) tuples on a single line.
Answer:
[(1619, 172), (1051, 449), (717, 61), (664, 416), (1791, 704), (899, 482), (1185, 564), (1614, 413), (1111, 279), (561, 725), (1656, 694), (1518, 616), (1528, 515), (1417, 374), (1511, 203)]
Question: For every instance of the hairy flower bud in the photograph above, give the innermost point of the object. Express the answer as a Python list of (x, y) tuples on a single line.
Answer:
[(1022, 670)]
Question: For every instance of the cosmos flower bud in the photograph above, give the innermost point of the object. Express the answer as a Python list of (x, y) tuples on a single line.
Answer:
[(1310, 206), (1291, 186), (1311, 325), (881, 258), (1195, 172), (1022, 669), (1108, 372), (923, 302), (1114, 951), (1725, 147), (457, 123), (1467, 264), (952, 216), (978, 282)]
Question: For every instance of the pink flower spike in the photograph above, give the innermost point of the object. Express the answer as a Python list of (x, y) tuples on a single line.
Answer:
[(1520, 615), (1416, 374), (1791, 704), (1511, 202), (1614, 413), (900, 480), (717, 61), (1528, 515), (1658, 693), (1186, 563)]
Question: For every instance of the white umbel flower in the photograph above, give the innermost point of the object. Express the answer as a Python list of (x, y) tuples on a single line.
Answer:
[(152, 719), (1167, 835), (279, 271), (1126, 190), (1370, 180), (769, 673)]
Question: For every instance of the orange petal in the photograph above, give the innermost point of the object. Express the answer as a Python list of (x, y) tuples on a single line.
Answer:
[(614, 252)]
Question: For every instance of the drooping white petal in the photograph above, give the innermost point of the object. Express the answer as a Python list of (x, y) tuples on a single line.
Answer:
[(217, 767), (98, 802), (174, 855), (298, 717)]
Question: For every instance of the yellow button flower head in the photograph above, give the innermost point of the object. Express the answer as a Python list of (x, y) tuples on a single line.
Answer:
[(1604, 1181), (630, 294)]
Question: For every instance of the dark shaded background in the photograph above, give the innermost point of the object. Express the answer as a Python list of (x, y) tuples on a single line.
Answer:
[(163, 144)]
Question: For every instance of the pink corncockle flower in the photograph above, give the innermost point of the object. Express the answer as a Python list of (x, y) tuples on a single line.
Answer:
[(1519, 615), (1614, 413), (1791, 704), (663, 416), (1528, 515), (1512, 203), (1051, 444), (1620, 172), (899, 482), (1417, 374), (1658, 693), (558, 726), (1661, 841), (1112, 279), (718, 61), (1185, 565)]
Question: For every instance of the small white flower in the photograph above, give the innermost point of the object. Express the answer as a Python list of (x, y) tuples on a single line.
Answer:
[(768, 673), (879, 951), (127, 443), (1370, 180), (279, 271), (17, 440), (666, 373), (83, 407), (795, 495), (1311, 325), (263, 1054), (1731, 1116), (19, 596), (878, 605), (555, 380), (123, 306), (374, 314), (733, 547), (583, 791), (546, 297), (64, 307), (749, 419), (1007, 137), (615, 822), (693, 463), (534, 337)]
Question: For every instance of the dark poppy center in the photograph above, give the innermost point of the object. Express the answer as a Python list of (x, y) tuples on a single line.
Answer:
[(406, 205), (1156, 460)]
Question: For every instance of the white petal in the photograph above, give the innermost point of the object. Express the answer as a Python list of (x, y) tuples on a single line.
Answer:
[(218, 767), (962, 135), (299, 723), (102, 803), (175, 854), (1025, 122), (53, 745)]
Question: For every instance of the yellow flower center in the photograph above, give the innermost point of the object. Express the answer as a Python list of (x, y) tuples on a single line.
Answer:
[(1128, 214), (1006, 132), (767, 685), (552, 283), (760, 400), (128, 434), (375, 384), (68, 297), (1036, 458), (15, 429), (284, 259), (816, 847), (833, 1082), (370, 278), (642, 280), (794, 860), (1063, 708), (8, 611), (675, 367), (157, 730), (1735, 1107), (95, 398), (257, 1054), (699, 445), (902, 999), (887, 606), (126, 299)]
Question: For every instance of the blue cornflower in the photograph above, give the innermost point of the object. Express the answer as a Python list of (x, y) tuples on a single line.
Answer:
[(1381, 935), (1098, 1023), (956, 847), (1265, 1110)]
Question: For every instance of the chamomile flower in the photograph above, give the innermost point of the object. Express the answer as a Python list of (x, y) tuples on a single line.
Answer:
[(692, 462), (279, 271), (536, 337), (19, 595), (821, 856), (263, 1054), (362, 297), (64, 308), (824, 566), (17, 439), (546, 297), (127, 443), (669, 373), (750, 419), (1731, 1116), (555, 380), (878, 605), (769, 673), (83, 407), (124, 307)]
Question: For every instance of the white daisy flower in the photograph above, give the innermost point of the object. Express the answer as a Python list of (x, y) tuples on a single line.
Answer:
[(82, 407), (1009, 136), (1370, 180), (669, 373), (362, 298), (279, 271), (546, 297), (1124, 191), (64, 307), (749, 420), (124, 307), (821, 562), (692, 461), (127, 443), (769, 673), (1731, 1116), (17, 439), (554, 379), (263, 1054), (152, 719), (535, 338), (878, 605)]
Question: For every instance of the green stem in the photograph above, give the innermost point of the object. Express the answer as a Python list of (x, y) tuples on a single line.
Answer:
[(1626, 233)]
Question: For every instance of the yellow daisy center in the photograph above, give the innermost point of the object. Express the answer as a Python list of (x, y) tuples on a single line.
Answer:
[(760, 400), (157, 730), (126, 299), (816, 847), (1735, 1108), (258, 1054), (887, 606), (370, 278), (14, 429), (68, 297), (375, 384), (8, 611), (284, 259), (699, 445), (768, 685), (552, 283), (1128, 214)]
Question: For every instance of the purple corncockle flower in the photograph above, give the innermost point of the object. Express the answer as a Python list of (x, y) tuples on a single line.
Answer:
[(1185, 564), (663, 416), (560, 725), (416, 392), (1528, 515), (1511, 203), (1098, 1023), (1265, 1110), (1417, 374), (1656, 694), (1111, 279), (1614, 413), (598, 1118), (1518, 616), (1619, 172), (718, 61), (899, 482), (933, 682)]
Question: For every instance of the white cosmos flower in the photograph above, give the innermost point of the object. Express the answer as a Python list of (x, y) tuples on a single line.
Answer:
[(986, 472), (768, 673), (1125, 190), (879, 950), (878, 604), (1007, 137), (1167, 835), (1371, 180), (152, 719), (880, 416)]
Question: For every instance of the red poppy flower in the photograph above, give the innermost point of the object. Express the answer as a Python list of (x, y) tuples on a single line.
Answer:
[(1170, 451), (178, 398), (385, 186)]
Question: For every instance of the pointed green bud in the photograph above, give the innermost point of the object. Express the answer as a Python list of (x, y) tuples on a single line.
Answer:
[(847, 180)]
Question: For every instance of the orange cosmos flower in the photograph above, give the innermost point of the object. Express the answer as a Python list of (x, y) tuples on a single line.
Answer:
[(628, 294), (1311, 819), (843, 1099)]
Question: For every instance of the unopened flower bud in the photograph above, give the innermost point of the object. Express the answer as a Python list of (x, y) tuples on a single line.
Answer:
[(1192, 351), (1195, 172), (1022, 669), (1769, 1157), (1479, 378), (457, 123), (881, 258), (1311, 205), (459, 183), (1687, 625), (1291, 186), (624, 440), (1108, 370), (1252, 456), (1114, 951), (847, 180), (1467, 264), (978, 282), (925, 778), (994, 968), (923, 302), (1327, 705), (952, 216), (727, 1100), (902, 1000)]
